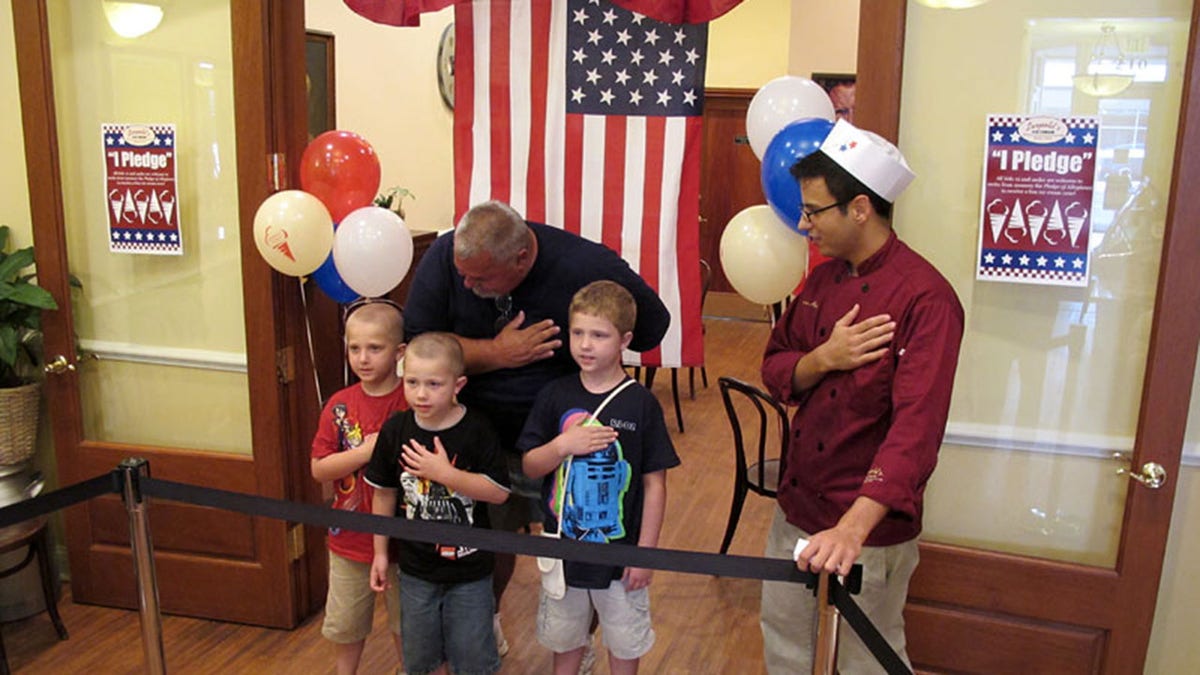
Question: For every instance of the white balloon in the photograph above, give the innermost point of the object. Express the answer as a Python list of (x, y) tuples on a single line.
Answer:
[(372, 250), (293, 232), (780, 102), (762, 257)]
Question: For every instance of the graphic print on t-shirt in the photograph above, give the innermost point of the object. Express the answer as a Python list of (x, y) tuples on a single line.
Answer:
[(427, 500), (595, 489), (350, 435)]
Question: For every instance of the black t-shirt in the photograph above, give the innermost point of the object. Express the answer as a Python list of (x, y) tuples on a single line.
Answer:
[(471, 446), (604, 489)]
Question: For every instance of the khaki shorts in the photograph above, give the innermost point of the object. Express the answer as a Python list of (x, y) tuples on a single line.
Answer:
[(350, 605), (563, 625)]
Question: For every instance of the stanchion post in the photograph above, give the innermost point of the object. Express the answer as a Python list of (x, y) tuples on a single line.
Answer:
[(132, 470), (825, 646)]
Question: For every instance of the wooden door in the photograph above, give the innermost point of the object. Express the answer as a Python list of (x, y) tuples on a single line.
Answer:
[(985, 608), (729, 173), (201, 365)]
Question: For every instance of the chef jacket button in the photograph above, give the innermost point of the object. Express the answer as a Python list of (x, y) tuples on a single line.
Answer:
[(820, 446), (866, 287), (793, 482), (833, 393), (822, 331)]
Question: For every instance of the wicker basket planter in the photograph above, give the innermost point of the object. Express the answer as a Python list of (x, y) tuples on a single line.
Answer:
[(19, 422)]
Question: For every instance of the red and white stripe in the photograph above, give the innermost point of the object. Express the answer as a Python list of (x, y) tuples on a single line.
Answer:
[(631, 183)]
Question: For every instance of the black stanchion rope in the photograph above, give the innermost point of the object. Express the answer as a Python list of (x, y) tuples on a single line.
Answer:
[(690, 562), (60, 499)]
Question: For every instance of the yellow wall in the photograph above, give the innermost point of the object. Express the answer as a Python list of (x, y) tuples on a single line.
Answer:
[(387, 93), (387, 80)]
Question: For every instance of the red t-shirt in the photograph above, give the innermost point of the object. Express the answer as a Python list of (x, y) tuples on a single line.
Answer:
[(349, 416)]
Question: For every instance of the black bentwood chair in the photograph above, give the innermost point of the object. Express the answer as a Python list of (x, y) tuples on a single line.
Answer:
[(758, 472)]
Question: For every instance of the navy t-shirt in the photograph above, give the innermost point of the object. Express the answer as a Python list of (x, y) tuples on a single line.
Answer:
[(603, 491), (565, 263)]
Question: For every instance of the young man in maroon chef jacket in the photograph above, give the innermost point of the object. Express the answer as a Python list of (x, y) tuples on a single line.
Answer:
[(866, 354)]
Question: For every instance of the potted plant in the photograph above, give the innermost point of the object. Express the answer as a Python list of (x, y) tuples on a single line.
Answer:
[(21, 305), (393, 199)]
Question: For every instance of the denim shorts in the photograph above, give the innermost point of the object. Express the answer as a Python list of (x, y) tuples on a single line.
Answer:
[(448, 623), (624, 616)]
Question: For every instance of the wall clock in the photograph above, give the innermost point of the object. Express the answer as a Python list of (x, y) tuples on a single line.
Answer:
[(445, 66)]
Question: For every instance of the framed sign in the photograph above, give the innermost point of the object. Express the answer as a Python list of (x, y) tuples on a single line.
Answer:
[(840, 87), (319, 82)]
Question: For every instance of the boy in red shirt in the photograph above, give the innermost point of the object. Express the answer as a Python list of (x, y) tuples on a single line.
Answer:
[(343, 445)]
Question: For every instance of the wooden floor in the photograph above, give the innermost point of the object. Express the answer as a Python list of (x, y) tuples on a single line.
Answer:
[(704, 624)]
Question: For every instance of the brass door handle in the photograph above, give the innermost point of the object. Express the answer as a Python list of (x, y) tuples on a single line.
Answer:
[(59, 366), (1152, 475)]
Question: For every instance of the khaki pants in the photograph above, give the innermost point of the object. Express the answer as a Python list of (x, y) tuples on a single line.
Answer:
[(789, 610)]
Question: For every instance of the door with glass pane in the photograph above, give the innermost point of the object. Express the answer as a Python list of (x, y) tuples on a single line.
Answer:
[(158, 359), (1037, 555)]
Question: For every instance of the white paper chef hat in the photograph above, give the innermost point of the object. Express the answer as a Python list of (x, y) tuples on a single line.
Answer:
[(870, 158)]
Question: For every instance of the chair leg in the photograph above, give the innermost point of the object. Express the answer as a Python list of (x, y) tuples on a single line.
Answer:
[(735, 512), (3, 659), (675, 395), (692, 383), (650, 371), (704, 376), (43, 555)]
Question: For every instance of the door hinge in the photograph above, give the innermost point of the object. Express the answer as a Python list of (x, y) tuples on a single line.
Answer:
[(285, 365), (295, 542), (278, 170)]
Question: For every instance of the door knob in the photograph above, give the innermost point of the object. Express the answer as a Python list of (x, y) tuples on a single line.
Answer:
[(59, 366), (1152, 475)]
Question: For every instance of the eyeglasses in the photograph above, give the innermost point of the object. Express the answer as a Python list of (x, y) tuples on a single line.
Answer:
[(504, 305), (363, 302), (810, 213)]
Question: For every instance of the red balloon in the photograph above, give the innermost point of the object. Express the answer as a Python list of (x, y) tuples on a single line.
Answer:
[(342, 170)]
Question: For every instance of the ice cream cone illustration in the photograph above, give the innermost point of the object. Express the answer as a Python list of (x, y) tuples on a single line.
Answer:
[(277, 239), (143, 203), (1076, 213), (116, 202), (168, 202), (1055, 232), (1036, 214), (1016, 230), (997, 212)]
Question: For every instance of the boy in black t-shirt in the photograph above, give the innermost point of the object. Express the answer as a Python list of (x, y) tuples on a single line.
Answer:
[(609, 482), (449, 464)]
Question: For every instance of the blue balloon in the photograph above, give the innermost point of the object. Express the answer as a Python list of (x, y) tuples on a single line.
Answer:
[(330, 281), (791, 144)]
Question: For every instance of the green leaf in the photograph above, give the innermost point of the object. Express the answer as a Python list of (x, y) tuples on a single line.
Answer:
[(34, 296), (9, 341), (15, 262)]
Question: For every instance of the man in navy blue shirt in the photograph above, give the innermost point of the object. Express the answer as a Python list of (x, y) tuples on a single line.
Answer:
[(503, 286)]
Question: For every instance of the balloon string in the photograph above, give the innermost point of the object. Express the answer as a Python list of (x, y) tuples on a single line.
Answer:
[(312, 355)]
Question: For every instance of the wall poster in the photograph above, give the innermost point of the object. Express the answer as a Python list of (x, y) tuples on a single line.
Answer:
[(140, 184), (1035, 211)]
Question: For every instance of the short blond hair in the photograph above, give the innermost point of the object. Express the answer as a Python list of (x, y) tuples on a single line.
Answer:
[(439, 346), (607, 300), (385, 315)]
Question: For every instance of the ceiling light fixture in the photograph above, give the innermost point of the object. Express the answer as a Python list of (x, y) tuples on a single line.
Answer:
[(1108, 71), (951, 4), (132, 19)]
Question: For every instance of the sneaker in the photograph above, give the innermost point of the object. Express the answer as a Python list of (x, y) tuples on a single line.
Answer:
[(501, 643), (589, 657)]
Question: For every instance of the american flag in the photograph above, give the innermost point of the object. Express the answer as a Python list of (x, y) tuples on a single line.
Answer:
[(586, 116)]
